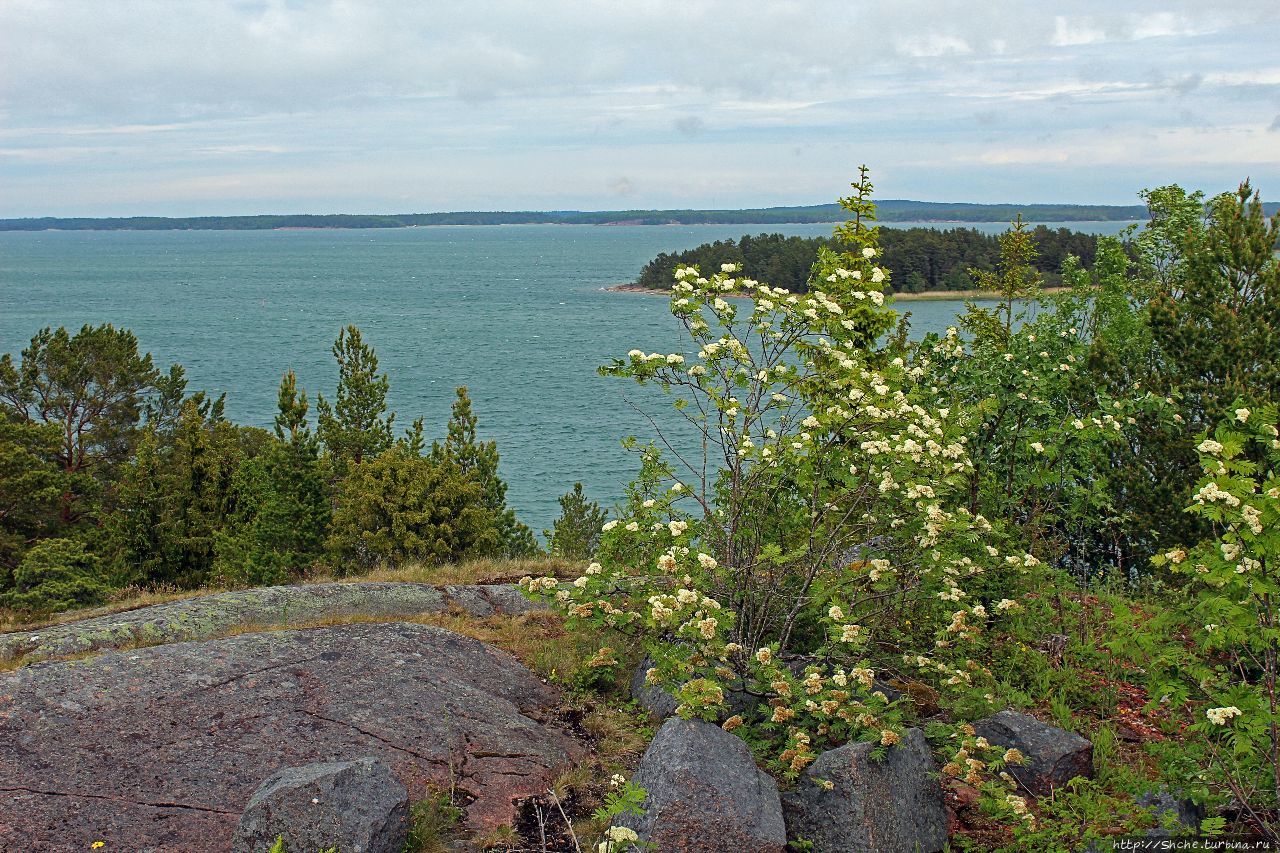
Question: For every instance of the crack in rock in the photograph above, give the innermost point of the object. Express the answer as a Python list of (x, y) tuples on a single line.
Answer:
[(156, 805)]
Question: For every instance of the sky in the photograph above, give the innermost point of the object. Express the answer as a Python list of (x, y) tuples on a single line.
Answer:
[(218, 107)]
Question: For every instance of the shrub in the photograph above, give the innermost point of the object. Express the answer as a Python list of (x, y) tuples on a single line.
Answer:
[(400, 507), (1227, 674), (815, 536), (55, 574)]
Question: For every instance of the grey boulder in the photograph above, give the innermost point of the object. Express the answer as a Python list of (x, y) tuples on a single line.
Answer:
[(354, 806), (1053, 756), (705, 794), (889, 806)]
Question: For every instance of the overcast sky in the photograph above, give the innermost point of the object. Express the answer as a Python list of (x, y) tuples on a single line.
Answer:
[(186, 107)]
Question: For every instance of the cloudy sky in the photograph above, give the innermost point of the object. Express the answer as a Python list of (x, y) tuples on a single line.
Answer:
[(186, 107)]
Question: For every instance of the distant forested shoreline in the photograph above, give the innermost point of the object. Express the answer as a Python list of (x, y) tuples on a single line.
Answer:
[(893, 210), (919, 259)]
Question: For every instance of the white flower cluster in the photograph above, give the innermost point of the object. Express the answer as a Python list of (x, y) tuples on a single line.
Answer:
[(1211, 492), (1220, 716)]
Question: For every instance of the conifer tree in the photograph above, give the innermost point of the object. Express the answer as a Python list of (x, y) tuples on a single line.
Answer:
[(575, 535), (280, 502), (91, 385), (357, 425), (30, 487), (478, 461)]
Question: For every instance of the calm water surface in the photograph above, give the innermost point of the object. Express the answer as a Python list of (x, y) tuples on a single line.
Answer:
[(517, 313)]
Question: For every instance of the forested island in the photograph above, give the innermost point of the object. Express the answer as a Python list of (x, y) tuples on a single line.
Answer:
[(892, 210), (920, 259)]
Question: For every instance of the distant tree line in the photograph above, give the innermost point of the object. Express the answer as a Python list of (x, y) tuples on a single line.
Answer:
[(888, 211), (920, 259)]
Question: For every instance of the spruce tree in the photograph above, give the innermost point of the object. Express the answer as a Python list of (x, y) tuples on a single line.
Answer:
[(357, 425), (280, 504)]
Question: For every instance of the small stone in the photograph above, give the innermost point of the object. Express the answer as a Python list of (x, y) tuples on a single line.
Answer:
[(365, 810), (1053, 756)]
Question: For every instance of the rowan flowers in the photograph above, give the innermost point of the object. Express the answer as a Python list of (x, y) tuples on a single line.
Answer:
[(1220, 716)]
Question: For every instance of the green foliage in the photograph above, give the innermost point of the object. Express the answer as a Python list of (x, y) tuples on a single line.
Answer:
[(478, 461), (1193, 321), (174, 498), (280, 503), (356, 426), (575, 535), (626, 798), (1227, 675), (433, 822), (1080, 815), (831, 545), (920, 259), (1217, 321), (31, 484), (55, 574), (91, 385), (279, 516), (401, 507)]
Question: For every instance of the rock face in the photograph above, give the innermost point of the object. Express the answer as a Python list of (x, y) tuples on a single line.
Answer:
[(1053, 756), (706, 794), (160, 749), (215, 615), (889, 806), (355, 806)]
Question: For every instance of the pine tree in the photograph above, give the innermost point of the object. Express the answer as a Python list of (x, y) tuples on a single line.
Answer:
[(173, 498), (56, 574), (403, 507), (478, 461), (575, 535), (91, 385), (357, 425), (30, 487)]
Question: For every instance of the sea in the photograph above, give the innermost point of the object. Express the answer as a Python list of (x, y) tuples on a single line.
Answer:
[(520, 314)]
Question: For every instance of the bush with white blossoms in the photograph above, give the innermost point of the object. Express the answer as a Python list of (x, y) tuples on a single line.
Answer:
[(1225, 675), (1042, 432), (813, 544)]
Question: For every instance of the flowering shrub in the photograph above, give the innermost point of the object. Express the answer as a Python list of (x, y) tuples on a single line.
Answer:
[(1225, 677), (815, 543)]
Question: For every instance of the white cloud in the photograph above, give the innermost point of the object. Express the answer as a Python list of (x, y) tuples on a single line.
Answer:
[(284, 101)]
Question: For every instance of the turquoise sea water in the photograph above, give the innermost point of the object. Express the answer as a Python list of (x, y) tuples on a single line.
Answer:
[(518, 313)]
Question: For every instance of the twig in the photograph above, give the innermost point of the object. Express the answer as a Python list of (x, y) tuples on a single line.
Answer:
[(568, 823)]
